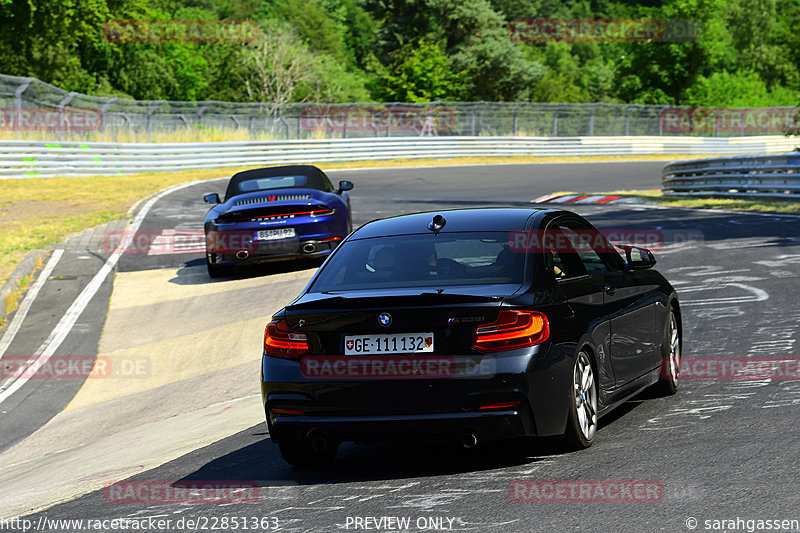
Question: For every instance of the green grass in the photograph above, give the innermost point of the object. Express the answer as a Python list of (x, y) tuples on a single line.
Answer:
[(707, 202)]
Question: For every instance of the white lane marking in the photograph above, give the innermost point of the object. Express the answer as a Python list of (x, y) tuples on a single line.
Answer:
[(64, 326), (755, 294), (25, 306), (171, 241)]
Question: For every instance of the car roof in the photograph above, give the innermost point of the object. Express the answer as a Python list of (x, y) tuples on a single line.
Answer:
[(459, 220), (316, 178)]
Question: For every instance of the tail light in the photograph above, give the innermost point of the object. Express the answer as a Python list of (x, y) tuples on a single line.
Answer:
[(500, 405), (281, 341), (512, 329)]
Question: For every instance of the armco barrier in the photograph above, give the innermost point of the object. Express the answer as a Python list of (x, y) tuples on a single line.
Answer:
[(757, 176), (30, 159)]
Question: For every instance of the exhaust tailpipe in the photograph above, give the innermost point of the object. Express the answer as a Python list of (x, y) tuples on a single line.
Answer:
[(469, 440), (309, 247), (319, 443), (242, 254)]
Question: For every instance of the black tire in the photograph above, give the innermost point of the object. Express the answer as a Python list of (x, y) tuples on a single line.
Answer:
[(669, 373), (582, 421), (303, 455), (216, 271)]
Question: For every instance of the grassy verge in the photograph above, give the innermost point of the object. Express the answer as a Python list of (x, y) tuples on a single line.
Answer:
[(656, 196)]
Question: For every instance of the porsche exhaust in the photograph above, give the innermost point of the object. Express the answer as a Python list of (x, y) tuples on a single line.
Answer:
[(242, 254), (309, 248)]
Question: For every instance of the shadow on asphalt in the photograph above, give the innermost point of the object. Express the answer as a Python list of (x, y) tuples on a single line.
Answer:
[(257, 458), (261, 461), (194, 272)]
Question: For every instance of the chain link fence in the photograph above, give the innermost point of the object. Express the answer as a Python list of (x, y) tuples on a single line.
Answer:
[(29, 106)]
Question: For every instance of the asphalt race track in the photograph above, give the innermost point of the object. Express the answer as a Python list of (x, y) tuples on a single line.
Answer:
[(181, 402)]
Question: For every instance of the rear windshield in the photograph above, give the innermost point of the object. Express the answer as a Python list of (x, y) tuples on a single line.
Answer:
[(422, 261), (275, 182)]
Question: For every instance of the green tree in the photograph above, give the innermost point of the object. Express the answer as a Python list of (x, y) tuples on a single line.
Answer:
[(421, 73)]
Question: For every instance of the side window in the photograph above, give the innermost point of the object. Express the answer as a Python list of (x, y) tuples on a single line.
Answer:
[(577, 249), (561, 256)]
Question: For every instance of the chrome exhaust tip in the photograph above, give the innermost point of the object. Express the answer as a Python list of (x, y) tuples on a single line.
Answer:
[(309, 247), (469, 440), (242, 254)]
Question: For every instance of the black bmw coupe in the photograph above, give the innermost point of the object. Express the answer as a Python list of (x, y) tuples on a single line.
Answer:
[(467, 326)]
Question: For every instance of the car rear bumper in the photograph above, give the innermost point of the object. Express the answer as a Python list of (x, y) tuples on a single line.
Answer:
[(438, 427), (295, 249)]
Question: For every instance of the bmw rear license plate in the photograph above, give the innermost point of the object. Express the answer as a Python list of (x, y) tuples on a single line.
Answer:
[(273, 234), (388, 344)]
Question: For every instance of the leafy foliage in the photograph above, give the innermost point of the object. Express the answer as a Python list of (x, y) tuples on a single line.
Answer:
[(746, 54)]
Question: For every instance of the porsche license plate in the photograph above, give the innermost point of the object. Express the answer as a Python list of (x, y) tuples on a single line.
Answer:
[(388, 344), (274, 234)]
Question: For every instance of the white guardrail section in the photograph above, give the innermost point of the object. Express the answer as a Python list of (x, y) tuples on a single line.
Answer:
[(765, 176), (43, 159)]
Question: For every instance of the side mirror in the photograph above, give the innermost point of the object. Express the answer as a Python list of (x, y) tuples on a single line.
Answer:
[(344, 186), (639, 258), (212, 198)]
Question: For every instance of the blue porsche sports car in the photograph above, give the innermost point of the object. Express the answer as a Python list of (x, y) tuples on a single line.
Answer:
[(275, 213)]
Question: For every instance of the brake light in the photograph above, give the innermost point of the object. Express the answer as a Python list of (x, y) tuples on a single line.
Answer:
[(285, 411), (500, 405), (512, 329), (281, 341)]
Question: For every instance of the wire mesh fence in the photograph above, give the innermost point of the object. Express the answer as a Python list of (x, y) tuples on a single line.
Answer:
[(32, 109)]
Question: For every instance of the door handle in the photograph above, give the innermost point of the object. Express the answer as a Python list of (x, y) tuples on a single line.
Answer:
[(609, 289)]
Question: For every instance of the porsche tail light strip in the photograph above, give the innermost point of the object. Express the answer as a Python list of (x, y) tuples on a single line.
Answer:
[(320, 212), (282, 342), (512, 329), (285, 411)]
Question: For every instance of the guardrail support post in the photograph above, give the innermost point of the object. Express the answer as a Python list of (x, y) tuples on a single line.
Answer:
[(627, 110), (516, 121), (150, 112), (555, 120), (741, 127), (18, 99), (103, 110), (346, 120), (201, 112), (64, 101), (660, 122), (591, 119), (285, 125)]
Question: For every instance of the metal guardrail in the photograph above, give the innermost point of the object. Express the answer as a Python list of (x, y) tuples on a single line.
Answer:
[(32, 159), (757, 176)]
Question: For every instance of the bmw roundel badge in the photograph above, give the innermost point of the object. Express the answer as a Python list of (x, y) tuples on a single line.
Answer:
[(385, 319)]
